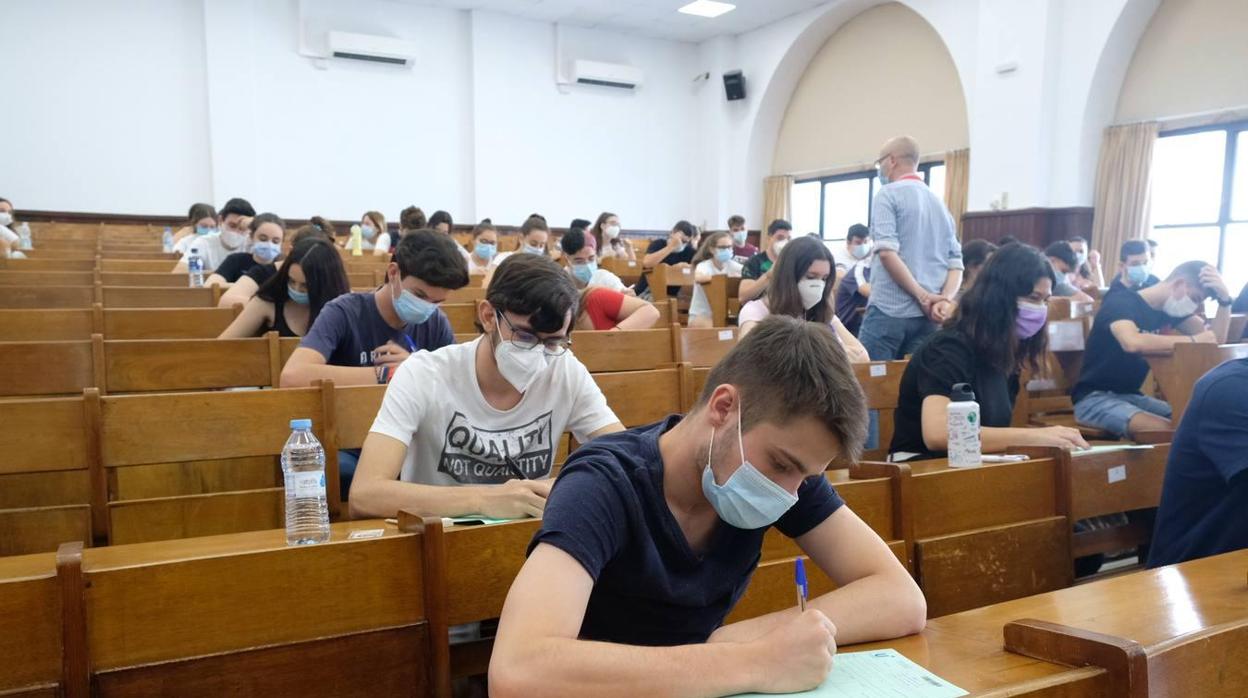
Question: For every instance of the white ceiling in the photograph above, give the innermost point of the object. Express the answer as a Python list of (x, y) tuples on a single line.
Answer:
[(654, 18)]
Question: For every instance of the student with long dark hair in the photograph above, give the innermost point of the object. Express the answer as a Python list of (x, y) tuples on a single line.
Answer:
[(311, 276), (800, 287), (996, 330)]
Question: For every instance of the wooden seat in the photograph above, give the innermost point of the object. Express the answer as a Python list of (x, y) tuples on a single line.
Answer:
[(881, 384), (1177, 373), (642, 397), (704, 347), (30, 603)]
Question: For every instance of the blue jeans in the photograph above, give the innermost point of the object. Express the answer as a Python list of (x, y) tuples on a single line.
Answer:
[(1113, 411), (891, 338)]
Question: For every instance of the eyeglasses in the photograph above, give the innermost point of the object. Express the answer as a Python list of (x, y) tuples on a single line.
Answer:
[(523, 339)]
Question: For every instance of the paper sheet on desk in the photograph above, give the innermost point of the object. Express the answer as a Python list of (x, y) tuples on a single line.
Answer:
[(878, 674), (1108, 448), (471, 520)]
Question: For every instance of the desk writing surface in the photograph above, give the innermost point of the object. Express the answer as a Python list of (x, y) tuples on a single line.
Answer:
[(1147, 606)]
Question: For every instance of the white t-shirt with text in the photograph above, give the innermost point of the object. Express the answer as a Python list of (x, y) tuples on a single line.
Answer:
[(455, 437)]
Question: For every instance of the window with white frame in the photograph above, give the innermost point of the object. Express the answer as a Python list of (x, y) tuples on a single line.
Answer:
[(828, 206)]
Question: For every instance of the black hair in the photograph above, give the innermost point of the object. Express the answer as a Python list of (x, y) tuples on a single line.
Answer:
[(858, 230), (1190, 272), (440, 217), (1076, 238), (1131, 247), (778, 224), (572, 241), (322, 268), (580, 223), (533, 222), (685, 228), (534, 285), (987, 311), (433, 258), (1007, 240), (237, 207), (976, 252), (1061, 250)]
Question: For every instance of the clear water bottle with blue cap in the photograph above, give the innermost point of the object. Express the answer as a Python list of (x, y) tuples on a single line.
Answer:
[(303, 464), (195, 268), (167, 239)]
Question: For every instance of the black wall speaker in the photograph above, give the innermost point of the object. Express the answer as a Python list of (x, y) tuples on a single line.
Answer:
[(734, 85)]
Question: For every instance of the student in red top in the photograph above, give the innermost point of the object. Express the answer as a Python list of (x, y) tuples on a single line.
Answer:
[(602, 308)]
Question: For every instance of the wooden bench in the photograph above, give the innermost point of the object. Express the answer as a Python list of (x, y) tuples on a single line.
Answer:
[(1177, 373), (247, 615), (60, 297), (114, 323), (981, 535)]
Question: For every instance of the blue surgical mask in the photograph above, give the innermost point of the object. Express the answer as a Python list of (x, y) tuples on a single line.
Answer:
[(533, 250), (368, 231), (1137, 274), (584, 272), (266, 252), (204, 230), (296, 296), (861, 251), (722, 255), (883, 177), (749, 499), (411, 309), (738, 238), (484, 250)]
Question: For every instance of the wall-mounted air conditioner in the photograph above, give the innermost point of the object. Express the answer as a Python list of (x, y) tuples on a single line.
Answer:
[(606, 74), (367, 47)]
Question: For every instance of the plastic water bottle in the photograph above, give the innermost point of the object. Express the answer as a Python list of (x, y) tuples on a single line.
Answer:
[(303, 464), (167, 239), (195, 268), (23, 232), (962, 423)]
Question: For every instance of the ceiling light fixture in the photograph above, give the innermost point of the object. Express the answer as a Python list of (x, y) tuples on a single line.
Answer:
[(707, 8)]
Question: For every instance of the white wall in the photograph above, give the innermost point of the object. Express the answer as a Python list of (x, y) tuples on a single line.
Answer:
[(104, 105), (578, 152), (148, 106)]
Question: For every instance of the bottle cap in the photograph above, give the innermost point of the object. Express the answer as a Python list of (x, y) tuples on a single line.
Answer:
[(962, 393), (194, 249), (300, 424)]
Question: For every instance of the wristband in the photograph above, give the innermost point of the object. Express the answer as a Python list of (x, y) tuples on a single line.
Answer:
[(384, 374)]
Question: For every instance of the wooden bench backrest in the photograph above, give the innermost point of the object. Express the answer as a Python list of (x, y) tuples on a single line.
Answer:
[(149, 297), (137, 265), (642, 397), (1189, 363), (881, 383), (163, 615), (45, 482), (141, 365), (1211, 663), (664, 276), (628, 271), (146, 279), (46, 325), (46, 368), (47, 296), (461, 316), (47, 265), (30, 604), (1235, 332), (167, 323), (704, 347), (467, 294), (629, 350), (9, 277)]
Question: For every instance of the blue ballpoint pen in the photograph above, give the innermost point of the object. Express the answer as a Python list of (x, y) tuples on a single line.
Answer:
[(799, 576)]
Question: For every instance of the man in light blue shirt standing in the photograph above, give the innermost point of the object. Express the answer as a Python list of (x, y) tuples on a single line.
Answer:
[(917, 267)]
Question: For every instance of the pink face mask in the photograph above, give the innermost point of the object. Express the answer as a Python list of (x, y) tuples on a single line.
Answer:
[(1031, 319)]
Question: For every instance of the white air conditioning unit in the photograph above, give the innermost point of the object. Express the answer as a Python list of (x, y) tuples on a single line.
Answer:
[(375, 49), (606, 74)]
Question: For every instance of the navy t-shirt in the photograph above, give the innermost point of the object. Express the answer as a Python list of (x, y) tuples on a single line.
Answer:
[(1204, 498), (1106, 365), (685, 255), (350, 327), (607, 511)]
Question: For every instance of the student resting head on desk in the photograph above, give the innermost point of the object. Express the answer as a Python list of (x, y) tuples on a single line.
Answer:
[(650, 536), (998, 327)]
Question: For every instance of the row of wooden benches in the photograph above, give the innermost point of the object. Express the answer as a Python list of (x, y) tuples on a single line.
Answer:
[(368, 614)]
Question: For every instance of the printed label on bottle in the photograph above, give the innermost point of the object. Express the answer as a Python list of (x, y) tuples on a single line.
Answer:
[(311, 484)]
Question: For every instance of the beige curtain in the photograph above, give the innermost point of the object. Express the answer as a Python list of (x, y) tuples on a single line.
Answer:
[(1123, 190), (777, 202), (957, 182)]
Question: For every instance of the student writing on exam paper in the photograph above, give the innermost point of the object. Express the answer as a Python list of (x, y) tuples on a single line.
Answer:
[(473, 428), (650, 536), (997, 329)]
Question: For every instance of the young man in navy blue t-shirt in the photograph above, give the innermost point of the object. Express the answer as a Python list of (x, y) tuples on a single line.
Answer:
[(1204, 499), (650, 536), (361, 338)]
